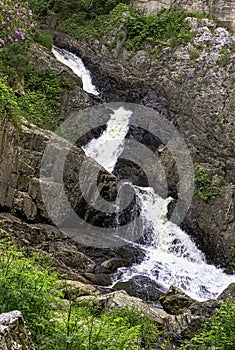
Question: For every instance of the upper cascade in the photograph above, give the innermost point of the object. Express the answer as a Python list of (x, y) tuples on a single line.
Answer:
[(77, 66)]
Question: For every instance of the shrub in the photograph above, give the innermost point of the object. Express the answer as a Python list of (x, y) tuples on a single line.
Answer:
[(8, 102), (219, 333), (28, 287), (44, 39), (41, 102), (204, 186), (15, 21), (166, 27), (28, 284)]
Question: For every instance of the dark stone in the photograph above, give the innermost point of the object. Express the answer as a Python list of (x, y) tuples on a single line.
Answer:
[(229, 292), (142, 287), (174, 301)]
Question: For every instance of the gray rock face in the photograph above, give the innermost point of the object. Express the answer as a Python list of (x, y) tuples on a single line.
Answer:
[(21, 154), (223, 9), (14, 335)]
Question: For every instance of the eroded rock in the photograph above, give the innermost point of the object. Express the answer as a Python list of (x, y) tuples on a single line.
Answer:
[(14, 334)]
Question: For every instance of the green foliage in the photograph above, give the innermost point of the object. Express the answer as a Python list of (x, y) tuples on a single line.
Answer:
[(28, 284), (28, 287), (41, 102), (204, 186), (8, 102), (44, 39), (219, 333), (14, 62), (166, 27), (41, 8), (84, 328)]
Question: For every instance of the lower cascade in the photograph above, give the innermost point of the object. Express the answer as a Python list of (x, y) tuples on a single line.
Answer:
[(171, 257)]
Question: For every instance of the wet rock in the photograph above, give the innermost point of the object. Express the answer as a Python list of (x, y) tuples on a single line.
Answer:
[(141, 287), (14, 333), (100, 279), (174, 301), (111, 265), (229, 292)]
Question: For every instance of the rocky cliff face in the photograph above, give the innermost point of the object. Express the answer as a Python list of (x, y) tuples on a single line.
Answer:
[(193, 86), (224, 10), (13, 332)]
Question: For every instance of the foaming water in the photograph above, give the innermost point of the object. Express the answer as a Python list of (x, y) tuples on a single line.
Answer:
[(172, 258), (108, 147), (77, 66)]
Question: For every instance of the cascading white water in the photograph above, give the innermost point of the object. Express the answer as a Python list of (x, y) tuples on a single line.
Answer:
[(172, 258), (108, 147), (77, 66)]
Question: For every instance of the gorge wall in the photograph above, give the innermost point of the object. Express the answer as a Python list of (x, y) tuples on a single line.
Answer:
[(224, 10)]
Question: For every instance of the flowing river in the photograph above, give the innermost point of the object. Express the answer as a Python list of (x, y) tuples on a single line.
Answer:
[(172, 258)]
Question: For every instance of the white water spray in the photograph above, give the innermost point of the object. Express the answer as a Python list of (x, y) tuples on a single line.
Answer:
[(108, 147), (77, 66)]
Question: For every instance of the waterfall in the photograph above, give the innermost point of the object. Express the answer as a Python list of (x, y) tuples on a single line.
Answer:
[(108, 147), (77, 66), (172, 258)]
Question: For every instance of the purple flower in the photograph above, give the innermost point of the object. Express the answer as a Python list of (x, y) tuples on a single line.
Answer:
[(16, 40), (16, 5), (8, 19), (30, 12), (2, 42), (3, 22), (32, 25)]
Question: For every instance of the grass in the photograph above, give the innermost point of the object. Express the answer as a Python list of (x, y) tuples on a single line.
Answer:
[(30, 285)]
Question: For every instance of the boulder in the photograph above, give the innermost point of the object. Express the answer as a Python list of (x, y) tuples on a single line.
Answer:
[(174, 301), (142, 287), (14, 334), (120, 299), (73, 289)]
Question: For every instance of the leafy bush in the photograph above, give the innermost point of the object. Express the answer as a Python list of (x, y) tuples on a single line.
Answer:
[(8, 102), (219, 333), (166, 27), (44, 39), (28, 284), (27, 287), (41, 7), (204, 187), (15, 21), (41, 102)]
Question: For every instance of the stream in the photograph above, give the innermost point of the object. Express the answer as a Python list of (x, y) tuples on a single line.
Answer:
[(171, 257)]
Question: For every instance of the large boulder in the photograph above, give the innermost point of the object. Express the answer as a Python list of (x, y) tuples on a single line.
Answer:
[(14, 334)]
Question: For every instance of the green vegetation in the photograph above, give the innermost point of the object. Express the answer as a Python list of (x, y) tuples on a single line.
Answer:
[(219, 333), (168, 27), (28, 91), (8, 102), (30, 285), (204, 185), (41, 102)]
